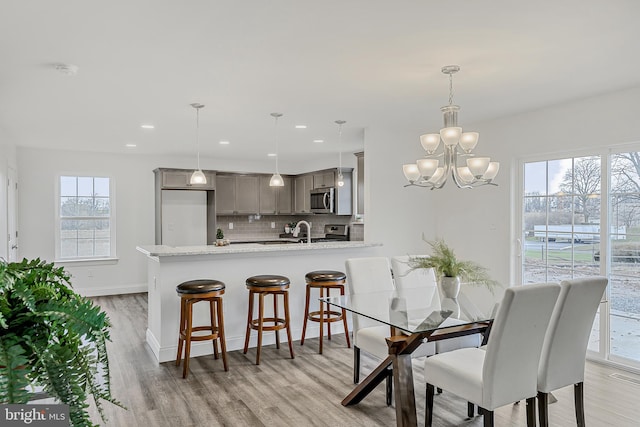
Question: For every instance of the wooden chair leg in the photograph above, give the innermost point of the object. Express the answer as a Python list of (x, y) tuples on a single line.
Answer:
[(328, 315), (260, 324), (531, 412), (187, 340), (249, 321), (344, 320), (275, 322), (428, 407), (180, 332), (356, 364), (214, 327), (543, 409), (578, 398), (287, 321), (306, 314), (221, 337), (322, 321)]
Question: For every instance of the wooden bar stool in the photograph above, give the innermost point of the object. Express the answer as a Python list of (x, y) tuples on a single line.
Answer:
[(190, 293), (268, 285), (324, 279)]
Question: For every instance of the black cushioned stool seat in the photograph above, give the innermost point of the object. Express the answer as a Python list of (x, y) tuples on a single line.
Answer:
[(190, 293), (262, 286), (324, 280)]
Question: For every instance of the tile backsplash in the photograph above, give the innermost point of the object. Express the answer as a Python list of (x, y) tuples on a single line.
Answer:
[(252, 226)]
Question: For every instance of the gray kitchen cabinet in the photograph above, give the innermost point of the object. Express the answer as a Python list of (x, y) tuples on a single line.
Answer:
[(268, 196), (303, 183), (285, 196), (226, 195), (275, 200), (247, 194), (324, 179), (179, 179)]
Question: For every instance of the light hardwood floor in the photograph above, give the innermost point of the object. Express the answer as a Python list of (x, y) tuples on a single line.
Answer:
[(305, 391)]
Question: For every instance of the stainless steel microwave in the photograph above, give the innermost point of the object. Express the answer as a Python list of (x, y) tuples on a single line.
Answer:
[(322, 200)]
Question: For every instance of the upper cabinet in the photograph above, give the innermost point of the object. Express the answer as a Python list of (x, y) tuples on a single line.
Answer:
[(237, 194), (179, 179), (324, 179), (302, 184), (276, 200)]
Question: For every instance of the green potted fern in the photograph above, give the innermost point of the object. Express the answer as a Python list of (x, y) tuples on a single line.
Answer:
[(450, 271), (51, 338)]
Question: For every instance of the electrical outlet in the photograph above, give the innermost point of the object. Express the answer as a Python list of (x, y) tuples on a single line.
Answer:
[(273, 224), (90, 273), (230, 226)]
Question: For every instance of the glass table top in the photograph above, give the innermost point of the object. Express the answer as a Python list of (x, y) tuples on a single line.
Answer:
[(412, 310)]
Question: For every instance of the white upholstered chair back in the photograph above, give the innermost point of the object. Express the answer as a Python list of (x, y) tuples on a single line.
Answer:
[(405, 277), (515, 342), (565, 344), (372, 274)]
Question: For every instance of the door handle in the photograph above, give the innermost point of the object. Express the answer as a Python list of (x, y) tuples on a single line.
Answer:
[(14, 246), (325, 200)]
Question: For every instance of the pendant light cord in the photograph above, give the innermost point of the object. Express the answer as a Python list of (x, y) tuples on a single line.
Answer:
[(198, 135), (276, 136), (450, 89)]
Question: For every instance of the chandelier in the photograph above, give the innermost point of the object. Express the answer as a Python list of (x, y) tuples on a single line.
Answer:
[(456, 145)]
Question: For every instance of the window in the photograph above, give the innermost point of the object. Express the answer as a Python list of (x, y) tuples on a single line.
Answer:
[(581, 217), (86, 225)]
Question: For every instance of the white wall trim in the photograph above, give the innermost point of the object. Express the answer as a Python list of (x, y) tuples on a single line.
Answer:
[(111, 290)]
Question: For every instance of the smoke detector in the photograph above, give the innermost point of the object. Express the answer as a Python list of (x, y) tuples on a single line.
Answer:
[(67, 69)]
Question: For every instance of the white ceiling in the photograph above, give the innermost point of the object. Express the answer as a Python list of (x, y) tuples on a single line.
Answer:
[(369, 62)]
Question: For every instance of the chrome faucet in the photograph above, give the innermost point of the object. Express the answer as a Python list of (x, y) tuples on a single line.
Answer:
[(308, 229)]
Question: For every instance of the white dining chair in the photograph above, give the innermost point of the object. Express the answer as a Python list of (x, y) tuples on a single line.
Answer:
[(371, 274), (565, 345), (506, 371), (406, 277)]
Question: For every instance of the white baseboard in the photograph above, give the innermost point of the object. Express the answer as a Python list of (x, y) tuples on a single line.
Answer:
[(111, 290)]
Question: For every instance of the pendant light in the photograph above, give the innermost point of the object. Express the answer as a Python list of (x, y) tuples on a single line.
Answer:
[(198, 177), (276, 180), (340, 177)]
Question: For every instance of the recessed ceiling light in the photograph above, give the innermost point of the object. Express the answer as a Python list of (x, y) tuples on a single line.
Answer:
[(301, 126), (271, 154), (318, 141), (147, 126), (224, 143), (130, 145)]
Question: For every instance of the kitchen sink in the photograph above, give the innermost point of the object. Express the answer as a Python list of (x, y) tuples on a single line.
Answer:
[(278, 242)]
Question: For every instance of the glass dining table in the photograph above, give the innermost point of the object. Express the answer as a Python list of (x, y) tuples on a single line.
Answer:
[(414, 316)]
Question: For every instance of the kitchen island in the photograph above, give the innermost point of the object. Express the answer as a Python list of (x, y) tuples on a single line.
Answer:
[(169, 266)]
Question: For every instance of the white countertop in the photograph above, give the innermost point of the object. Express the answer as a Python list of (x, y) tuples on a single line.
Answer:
[(243, 248)]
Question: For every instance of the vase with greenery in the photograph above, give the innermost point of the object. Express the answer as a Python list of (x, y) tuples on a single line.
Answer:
[(51, 338), (450, 270)]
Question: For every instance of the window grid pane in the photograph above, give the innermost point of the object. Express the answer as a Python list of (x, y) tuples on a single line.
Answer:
[(85, 217)]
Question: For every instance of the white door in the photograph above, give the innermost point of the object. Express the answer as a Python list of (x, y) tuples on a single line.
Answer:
[(12, 214)]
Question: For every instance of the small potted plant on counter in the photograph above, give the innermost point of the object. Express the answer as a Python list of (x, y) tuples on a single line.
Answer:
[(219, 237), (52, 339)]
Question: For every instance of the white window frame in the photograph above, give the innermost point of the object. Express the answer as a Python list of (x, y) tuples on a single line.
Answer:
[(112, 257)]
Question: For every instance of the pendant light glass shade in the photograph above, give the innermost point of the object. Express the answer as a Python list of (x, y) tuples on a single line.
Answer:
[(276, 180), (198, 177)]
